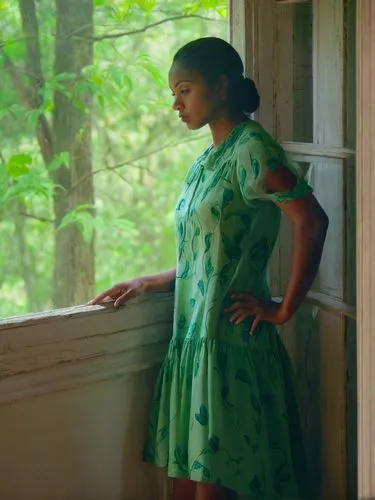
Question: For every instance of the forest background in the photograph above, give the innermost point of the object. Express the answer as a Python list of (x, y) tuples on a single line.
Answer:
[(92, 156)]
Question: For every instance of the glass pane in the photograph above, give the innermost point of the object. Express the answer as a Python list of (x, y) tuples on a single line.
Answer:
[(327, 180)]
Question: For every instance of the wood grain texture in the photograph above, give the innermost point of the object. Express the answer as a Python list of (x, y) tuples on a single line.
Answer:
[(365, 180), (48, 352)]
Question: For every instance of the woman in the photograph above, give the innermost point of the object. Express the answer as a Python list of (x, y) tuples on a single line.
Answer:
[(224, 420)]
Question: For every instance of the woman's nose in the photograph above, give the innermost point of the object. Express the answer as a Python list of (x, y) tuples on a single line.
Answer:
[(177, 105)]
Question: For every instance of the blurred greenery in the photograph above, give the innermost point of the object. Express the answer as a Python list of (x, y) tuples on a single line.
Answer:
[(140, 152)]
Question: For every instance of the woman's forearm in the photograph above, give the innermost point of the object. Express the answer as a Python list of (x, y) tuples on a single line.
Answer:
[(162, 282), (308, 242)]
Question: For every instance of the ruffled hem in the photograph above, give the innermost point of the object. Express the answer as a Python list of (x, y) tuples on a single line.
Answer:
[(227, 415)]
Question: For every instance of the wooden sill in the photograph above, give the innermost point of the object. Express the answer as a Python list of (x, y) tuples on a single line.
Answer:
[(286, 2), (58, 350)]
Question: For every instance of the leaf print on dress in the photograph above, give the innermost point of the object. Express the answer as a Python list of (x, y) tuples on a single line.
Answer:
[(181, 230), (228, 196), (228, 428), (209, 269), (243, 376), (224, 274), (222, 362), (255, 167), (201, 286), (255, 403), (181, 321), (207, 242), (194, 244), (215, 212), (202, 416), (163, 433), (282, 476), (199, 466), (259, 252), (217, 177), (232, 251), (185, 272), (181, 204), (247, 439), (181, 458), (214, 443), (256, 487)]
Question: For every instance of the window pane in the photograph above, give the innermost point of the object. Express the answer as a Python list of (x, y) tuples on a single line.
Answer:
[(327, 180)]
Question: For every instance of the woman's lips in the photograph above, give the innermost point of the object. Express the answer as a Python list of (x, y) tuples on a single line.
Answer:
[(184, 118)]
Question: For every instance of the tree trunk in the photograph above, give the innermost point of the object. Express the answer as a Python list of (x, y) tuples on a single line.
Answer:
[(74, 270), (26, 258)]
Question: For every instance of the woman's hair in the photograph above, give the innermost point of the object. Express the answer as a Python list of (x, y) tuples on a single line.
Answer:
[(212, 57)]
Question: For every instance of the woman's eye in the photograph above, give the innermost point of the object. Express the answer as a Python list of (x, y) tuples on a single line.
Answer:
[(184, 91)]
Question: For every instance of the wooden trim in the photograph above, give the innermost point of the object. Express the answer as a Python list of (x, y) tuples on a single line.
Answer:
[(312, 159), (365, 183), (58, 350), (318, 150), (241, 25), (287, 2), (330, 304)]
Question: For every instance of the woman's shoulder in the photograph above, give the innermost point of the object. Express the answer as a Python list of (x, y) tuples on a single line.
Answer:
[(254, 134), (256, 142)]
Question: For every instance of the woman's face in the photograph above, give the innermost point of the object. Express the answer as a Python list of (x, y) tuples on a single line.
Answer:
[(196, 102)]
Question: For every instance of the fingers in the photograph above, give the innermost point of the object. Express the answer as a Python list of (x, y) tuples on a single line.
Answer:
[(100, 298), (235, 306), (239, 316), (120, 300), (245, 305), (129, 294), (255, 324)]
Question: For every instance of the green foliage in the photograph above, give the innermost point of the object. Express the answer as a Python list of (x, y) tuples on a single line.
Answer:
[(140, 152)]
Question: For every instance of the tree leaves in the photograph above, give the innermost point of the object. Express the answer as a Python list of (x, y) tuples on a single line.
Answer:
[(60, 160), (21, 180), (132, 117), (83, 217), (18, 165)]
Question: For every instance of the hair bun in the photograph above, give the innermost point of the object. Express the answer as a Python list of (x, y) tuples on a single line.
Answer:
[(248, 98)]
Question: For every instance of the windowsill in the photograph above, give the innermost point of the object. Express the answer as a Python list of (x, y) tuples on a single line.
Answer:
[(56, 350)]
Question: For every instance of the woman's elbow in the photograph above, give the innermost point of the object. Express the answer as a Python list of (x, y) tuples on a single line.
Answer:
[(323, 220), (319, 225), (313, 223)]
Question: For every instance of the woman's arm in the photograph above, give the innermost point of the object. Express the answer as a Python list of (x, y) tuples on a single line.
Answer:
[(310, 224), (126, 290), (162, 282)]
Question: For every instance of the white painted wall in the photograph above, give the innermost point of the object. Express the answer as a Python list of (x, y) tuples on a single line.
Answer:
[(75, 388)]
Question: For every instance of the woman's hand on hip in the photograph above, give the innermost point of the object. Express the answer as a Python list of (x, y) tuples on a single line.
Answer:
[(246, 305)]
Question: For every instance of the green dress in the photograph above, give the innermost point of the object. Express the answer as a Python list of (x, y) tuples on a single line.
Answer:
[(224, 410)]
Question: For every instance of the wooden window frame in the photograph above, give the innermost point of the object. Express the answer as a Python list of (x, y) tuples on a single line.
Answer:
[(249, 18)]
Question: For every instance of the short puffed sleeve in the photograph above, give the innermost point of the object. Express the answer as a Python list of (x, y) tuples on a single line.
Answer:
[(257, 154)]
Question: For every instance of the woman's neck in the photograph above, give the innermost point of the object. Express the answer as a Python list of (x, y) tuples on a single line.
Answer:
[(222, 127)]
